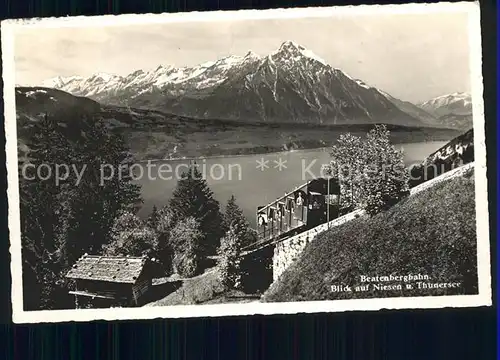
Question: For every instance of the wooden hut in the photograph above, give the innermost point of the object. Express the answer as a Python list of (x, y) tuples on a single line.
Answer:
[(110, 281)]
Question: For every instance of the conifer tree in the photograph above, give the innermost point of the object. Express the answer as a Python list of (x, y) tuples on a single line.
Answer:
[(193, 198), (43, 213), (104, 191), (234, 217), (153, 218), (62, 218)]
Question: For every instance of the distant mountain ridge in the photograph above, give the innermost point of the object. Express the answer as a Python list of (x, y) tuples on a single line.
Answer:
[(451, 110), (152, 134), (459, 103), (290, 85)]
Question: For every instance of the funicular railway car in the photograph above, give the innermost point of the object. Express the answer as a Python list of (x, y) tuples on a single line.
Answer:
[(311, 204)]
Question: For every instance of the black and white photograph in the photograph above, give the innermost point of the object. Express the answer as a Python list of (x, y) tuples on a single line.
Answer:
[(246, 162)]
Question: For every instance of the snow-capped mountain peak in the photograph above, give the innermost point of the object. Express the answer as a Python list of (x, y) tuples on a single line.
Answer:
[(207, 64), (104, 76), (229, 61), (162, 68), (60, 81), (290, 45), (447, 99), (207, 74), (251, 56), (290, 84), (445, 103)]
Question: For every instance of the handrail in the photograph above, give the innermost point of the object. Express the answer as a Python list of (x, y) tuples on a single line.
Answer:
[(328, 180), (283, 197)]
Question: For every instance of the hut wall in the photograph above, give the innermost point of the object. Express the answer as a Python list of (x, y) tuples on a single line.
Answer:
[(141, 287)]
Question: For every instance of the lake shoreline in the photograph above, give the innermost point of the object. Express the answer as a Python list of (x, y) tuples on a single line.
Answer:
[(192, 158), (256, 187), (150, 145)]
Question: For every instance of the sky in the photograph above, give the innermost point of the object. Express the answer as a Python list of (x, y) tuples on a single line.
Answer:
[(412, 57)]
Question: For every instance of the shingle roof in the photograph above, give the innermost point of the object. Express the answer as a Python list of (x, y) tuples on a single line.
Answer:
[(116, 269)]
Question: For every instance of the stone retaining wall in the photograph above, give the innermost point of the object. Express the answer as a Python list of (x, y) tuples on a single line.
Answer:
[(287, 251)]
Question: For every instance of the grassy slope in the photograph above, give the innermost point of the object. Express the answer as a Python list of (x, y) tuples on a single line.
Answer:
[(193, 291), (203, 289), (433, 233)]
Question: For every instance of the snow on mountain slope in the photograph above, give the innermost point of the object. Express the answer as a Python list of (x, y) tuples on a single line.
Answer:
[(102, 85), (457, 103), (291, 84)]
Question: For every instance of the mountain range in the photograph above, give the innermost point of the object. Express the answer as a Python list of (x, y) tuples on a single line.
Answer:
[(154, 134), (290, 85), (289, 99)]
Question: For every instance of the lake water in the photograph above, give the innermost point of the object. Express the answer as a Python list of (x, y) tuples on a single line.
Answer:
[(240, 175)]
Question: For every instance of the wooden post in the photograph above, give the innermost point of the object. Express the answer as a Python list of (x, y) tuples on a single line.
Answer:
[(76, 296), (328, 202), (272, 220)]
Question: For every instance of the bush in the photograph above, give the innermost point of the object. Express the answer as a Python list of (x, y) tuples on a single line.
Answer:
[(161, 221), (229, 260), (185, 240), (371, 171), (131, 236), (432, 233), (185, 264), (347, 162), (387, 183), (192, 198)]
